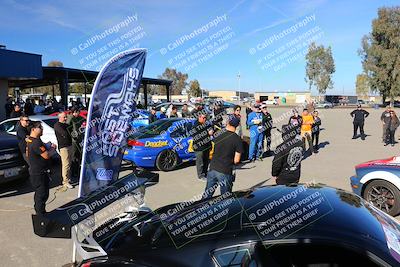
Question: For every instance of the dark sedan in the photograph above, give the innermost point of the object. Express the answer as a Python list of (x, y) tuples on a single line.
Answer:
[(302, 225), (12, 165)]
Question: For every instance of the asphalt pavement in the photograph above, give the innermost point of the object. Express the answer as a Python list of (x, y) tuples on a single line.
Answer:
[(333, 166)]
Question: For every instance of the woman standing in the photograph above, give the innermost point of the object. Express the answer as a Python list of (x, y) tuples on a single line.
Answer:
[(392, 126)]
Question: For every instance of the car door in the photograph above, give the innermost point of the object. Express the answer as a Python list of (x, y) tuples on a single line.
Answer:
[(180, 137)]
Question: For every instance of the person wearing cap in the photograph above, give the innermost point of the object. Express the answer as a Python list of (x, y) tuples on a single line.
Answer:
[(267, 124), (286, 165), (152, 115), (385, 118), (306, 129), (359, 116), (254, 121), (227, 151), (161, 114)]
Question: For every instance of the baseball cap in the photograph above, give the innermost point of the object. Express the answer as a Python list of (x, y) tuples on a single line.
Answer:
[(163, 109), (233, 120)]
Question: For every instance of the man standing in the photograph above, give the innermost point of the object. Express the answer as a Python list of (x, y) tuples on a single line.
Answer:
[(152, 116), (286, 165), (236, 112), (16, 112), (38, 157), (65, 145), (174, 112), (359, 116), (76, 132), (228, 148), (202, 134), (385, 118), (267, 124), (185, 111), (8, 107), (254, 122), (22, 134), (161, 114), (306, 129), (316, 130)]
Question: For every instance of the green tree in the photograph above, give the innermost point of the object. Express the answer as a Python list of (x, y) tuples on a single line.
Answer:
[(179, 80), (380, 53), (362, 86), (55, 63), (194, 88), (320, 67)]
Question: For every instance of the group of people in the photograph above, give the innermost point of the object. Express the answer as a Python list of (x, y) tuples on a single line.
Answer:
[(40, 156), (14, 109)]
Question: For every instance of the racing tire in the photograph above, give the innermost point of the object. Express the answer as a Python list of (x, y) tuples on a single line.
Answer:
[(384, 196), (167, 160)]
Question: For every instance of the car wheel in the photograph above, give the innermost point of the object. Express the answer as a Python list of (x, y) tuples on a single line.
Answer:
[(384, 196), (167, 160)]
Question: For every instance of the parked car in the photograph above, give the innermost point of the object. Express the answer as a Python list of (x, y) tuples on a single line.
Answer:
[(271, 102), (295, 225), (324, 104), (12, 165), (10, 126), (378, 181), (163, 144), (179, 106)]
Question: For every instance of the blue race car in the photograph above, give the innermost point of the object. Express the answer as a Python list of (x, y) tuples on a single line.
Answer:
[(378, 181), (163, 144)]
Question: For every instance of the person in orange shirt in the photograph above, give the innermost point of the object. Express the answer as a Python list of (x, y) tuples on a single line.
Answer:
[(306, 129)]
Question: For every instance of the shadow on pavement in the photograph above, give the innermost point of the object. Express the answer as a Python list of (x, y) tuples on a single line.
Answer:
[(23, 186)]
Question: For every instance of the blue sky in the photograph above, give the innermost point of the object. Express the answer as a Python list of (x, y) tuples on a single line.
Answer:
[(220, 38)]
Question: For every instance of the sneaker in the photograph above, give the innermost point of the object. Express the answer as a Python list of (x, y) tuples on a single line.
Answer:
[(354, 137), (203, 178), (68, 185)]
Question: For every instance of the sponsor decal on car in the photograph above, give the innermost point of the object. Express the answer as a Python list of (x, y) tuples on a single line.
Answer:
[(156, 144)]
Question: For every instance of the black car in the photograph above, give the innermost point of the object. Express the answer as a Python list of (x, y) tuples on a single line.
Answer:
[(302, 225), (12, 164)]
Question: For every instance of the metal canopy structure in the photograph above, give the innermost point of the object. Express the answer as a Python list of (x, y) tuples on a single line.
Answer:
[(65, 76)]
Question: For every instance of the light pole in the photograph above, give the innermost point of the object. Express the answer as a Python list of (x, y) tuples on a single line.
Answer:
[(238, 77)]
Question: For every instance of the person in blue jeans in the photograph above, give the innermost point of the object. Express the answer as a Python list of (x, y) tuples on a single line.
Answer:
[(254, 121), (227, 150)]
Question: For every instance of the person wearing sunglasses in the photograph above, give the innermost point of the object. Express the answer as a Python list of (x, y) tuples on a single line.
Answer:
[(22, 134)]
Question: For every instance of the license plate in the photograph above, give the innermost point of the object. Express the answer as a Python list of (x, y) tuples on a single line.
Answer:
[(11, 172)]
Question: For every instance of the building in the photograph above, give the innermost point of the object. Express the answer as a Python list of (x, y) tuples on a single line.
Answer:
[(289, 98), (228, 95), (24, 70)]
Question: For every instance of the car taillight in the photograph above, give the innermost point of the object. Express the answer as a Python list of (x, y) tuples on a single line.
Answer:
[(133, 142), (87, 264)]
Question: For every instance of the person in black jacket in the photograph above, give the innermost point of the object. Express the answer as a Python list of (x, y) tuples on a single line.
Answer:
[(17, 112), (64, 140), (267, 124), (22, 134), (202, 133), (315, 130), (359, 116), (152, 116), (286, 165)]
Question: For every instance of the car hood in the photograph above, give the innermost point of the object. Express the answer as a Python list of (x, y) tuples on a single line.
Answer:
[(7, 140), (389, 162)]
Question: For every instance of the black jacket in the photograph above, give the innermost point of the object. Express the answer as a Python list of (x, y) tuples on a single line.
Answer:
[(359, 115), (267, 121), (316, 124), (286, 164), (63, 136)]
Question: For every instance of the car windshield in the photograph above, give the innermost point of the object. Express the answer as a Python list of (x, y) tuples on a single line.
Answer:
[(154, 129), (51, 122)]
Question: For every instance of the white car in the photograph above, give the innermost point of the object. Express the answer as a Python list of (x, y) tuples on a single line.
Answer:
[(324, 104), (271, 102), (179, 106), (10, 126)]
